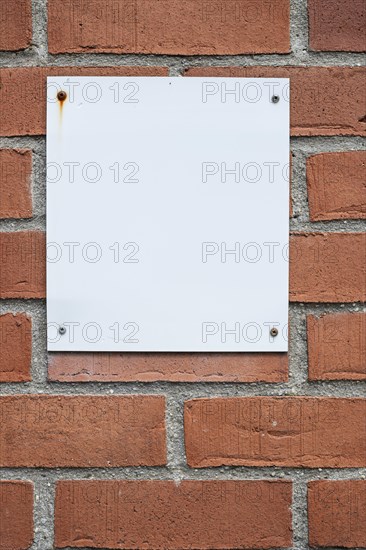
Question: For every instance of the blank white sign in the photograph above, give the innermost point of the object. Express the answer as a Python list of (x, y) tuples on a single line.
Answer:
[(167, 214)]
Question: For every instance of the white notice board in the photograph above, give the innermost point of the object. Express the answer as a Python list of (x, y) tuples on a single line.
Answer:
[(167, 214)]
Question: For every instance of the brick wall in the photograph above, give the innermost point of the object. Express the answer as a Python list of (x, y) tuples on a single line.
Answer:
[(190, 451)]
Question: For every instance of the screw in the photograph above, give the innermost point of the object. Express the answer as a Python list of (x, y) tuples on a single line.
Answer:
[(273, 332), (275, 98), (62, 330), (61, 96)]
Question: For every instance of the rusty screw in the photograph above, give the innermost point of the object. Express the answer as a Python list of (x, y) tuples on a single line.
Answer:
[(61, 96), (275, 98), (62, 330), (273, 332)]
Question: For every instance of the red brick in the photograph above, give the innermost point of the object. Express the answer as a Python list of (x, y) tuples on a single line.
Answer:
[(337, 346), (276, 431), (15, 347), (22, 265), (336, 185), (175, 367), (16, 515), (337, 513), (336, 25), (23, 93), (15, 24), (76, 431), (15, 183), (325, 101), (178, 27), (174, 515), (327, 267)]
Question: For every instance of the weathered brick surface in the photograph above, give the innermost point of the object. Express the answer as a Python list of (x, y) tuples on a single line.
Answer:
[(175, 367), (337, 346), (23, 93), (178, 516), (336, 25), (327, 267), (325, 101), (75, 431), (15, 183), (337, 513), (15, 24), (276, 431), (337, 185), (16, 515), (15, 347), (22, 264), (179, 27), (102, 428)]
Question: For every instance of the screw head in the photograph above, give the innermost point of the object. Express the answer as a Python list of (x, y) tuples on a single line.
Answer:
[(273, 332), (61, 96), (275, 98), (62, 330)]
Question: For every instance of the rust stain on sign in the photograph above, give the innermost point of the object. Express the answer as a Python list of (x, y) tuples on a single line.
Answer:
[(61, 97)]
